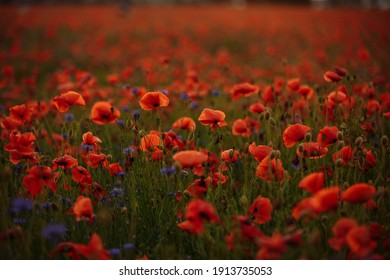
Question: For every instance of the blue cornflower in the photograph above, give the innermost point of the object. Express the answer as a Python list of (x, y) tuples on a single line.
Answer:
[(125, 108), (114, 252), (121, 123), (69, 117), (163, 91), (128, 246), (128, 150), (54, 232), (116, 192), (168, 170), (184, 96), (21, 204), (215, 92), (87, 147), (65, 136), (194, 104), (134, 90)]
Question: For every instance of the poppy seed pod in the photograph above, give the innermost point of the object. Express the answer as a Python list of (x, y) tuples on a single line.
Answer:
[(339, 163), (244, 200), (340, 145), (308, 136), (359, 141), (272, 121), (385, 141), (340, 135), (301, 148)]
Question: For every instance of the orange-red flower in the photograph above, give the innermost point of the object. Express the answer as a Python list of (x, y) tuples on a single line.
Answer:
[(257, 108), (37, 177), (261, 209), (327, 136), (230, 155), (198, 187), (19, 115), (190, 158), (331, 76), (151, 144), (213, 118), (326, 199), (90, 139), (293, 84), (115, 169), (358, 193), (359, 241), (345, 154), (65, 162), (197, 213), (21, 146), (102, 112), (240, 127), (82, 209), (81, 175), (65, 101), (93, 251), (184, 123), (270, 170), (311, 150), (340, 231), (153, 100), (259, 152), (313, 182), (294, 133), (244, 89)]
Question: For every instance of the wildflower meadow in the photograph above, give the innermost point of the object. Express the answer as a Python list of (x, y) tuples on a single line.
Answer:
[(194, 132)]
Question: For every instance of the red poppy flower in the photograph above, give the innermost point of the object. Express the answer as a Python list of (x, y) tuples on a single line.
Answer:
[(270, 170), (93, 251), (313, 182), (102, 112), (197, 213), (336, 97), (65, 101), (213, 118), (37, 177), (259, 152), (306, 91), (326, 199), (345, 154), (294, 133), (261, 209), (198, 187), (304, 208), (257, 108), (171, 140), (114, 169), (240, 127), (190, 158), (358, 193), (21, 147), (359, 241), (95, 160), (340, 231), (81, 175), (230, 155), (65, 162), (82, 209), (271, 248), (19, 115), (311, 150), (368, 162), (331, 76), (293, 84), (151, 144), (327, 136), (153, 100), (244, 89), (90, 139), (341, 71), (184, 123)]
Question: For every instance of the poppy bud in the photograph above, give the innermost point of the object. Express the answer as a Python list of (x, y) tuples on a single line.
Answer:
[(385, 141), (272, 121), (308, 137), (231, 153), (175, 149), (340, 135), (345, 185), (177, 165), (246, 148), (340, 145), (187, 194), (244, 200), (267, 115), (339, 162), (301, 148), (124, 210), (359, 141), (141, 133), (109, 157), (370, 182)]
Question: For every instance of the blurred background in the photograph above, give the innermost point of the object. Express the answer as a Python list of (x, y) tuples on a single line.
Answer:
[(381, 4)]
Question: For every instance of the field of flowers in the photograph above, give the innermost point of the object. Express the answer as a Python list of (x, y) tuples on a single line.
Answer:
[(186, 132)]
